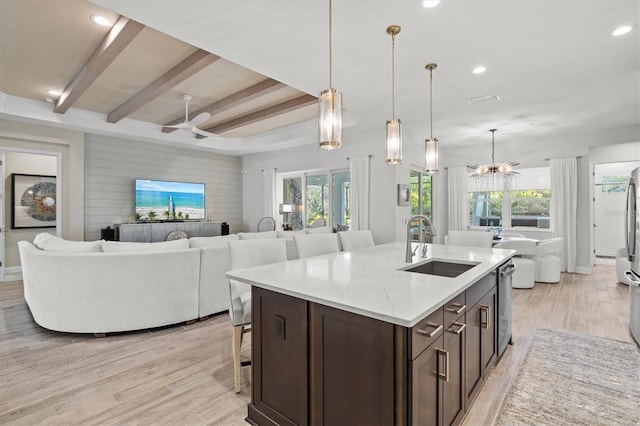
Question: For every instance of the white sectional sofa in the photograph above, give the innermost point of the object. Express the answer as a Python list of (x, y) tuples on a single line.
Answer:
[(110, 286)]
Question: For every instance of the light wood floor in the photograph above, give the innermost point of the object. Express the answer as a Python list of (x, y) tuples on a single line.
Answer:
[(183, 375)]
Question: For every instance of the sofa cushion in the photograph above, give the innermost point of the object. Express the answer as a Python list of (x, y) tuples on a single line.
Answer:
[(125, 247), (53, 243), (290, 234), (212, 242), (257, 235), (43, 236)]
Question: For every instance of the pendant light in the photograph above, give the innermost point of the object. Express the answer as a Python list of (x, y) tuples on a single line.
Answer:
[(330, 109), (495, 173), (394, 126), (431, 144)]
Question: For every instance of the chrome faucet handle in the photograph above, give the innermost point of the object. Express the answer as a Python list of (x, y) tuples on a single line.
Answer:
[(424, 250), (414, 251)]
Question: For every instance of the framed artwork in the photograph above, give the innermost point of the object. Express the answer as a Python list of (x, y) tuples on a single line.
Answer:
[(33, 201), (404, 194)]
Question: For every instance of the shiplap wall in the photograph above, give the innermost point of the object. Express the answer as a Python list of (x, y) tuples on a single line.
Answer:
[(112, 165)]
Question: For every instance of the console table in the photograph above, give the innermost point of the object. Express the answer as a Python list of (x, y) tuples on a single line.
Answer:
[(158, 231)]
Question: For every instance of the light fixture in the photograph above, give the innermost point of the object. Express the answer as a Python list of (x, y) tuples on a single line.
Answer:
[(494, 171), (330, 109), (430, 3), (100, 20), (479, 69), (621, 30), (394, 126), (431, 144)]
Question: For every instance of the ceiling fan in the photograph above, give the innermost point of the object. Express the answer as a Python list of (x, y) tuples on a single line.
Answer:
[(193, 123)]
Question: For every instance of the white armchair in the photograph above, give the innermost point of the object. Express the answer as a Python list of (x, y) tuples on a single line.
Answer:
[(525, 261), (469, 239), (352, 240), (308, 245), (548, 260), (245, 254)]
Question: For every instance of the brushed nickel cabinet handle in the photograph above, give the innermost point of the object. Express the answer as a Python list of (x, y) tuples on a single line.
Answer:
[(444, 376), (459, 330), (487, 310), (458, 311), (431, 333)]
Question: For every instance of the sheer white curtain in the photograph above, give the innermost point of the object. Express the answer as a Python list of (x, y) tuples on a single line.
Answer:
[(269, 192), (564, 207), (359, 169), (458, 198)]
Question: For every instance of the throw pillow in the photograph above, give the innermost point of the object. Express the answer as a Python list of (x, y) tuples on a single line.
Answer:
[(58, 244)]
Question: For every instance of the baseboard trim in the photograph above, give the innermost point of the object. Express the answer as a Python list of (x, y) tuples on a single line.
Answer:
[(584, 270), (13, 273)]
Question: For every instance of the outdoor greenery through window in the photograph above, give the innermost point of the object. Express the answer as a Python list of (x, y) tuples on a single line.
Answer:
[(614, 183), (528, 208), (318, 199), (420, 202)]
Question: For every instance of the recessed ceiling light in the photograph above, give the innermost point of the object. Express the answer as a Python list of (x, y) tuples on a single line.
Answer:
[(622, 30), (479, 69), (100, 20), (54, 92), (430, 3)]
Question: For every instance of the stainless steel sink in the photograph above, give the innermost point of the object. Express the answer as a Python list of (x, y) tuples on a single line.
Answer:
[(442, 268)]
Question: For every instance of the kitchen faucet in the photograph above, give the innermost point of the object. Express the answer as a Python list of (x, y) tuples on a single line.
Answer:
[(409, 254)]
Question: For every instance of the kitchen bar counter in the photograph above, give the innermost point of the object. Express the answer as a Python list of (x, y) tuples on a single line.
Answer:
[(370, 281)]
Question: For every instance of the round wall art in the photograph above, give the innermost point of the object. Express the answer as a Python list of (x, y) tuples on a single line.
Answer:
[(34, 201)]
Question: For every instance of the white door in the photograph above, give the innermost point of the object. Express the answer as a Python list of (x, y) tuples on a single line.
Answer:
[(609, 206), (2, 206)]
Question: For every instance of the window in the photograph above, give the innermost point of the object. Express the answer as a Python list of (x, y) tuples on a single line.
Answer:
[(486, 208), (316, 198), (614, 183), (420, 184), (530, 208)]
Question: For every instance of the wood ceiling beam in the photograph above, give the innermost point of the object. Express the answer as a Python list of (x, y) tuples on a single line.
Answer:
[(197, 61), (272, 111), (118, 38), (245, 95)]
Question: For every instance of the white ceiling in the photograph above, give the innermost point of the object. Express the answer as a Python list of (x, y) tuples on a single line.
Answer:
[(553, 63)]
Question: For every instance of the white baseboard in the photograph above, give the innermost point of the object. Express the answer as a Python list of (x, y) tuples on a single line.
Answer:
[(584, 270), (13, 273)]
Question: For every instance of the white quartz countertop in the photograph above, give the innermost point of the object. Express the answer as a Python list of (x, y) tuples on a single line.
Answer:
[(370, 281)]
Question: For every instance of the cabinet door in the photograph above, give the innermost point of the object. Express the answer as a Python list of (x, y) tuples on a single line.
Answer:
[(488, 305), (351, 368), (453, 384), (481, 341), (426, 387)]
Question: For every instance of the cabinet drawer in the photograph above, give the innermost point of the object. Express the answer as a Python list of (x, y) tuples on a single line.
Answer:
[(454, 309), (426, 331), (479, 289)]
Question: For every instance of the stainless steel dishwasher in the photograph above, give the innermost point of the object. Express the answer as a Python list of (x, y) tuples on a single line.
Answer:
[(505, 299)]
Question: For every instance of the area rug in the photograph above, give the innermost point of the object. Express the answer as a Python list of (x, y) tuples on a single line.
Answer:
[(574, 379)]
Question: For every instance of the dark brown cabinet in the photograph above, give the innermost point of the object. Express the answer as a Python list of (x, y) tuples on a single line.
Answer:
[(314, 364), (481, 351)]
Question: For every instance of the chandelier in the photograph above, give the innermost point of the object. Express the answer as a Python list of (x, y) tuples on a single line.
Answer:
[(330, 109), (503, 170)]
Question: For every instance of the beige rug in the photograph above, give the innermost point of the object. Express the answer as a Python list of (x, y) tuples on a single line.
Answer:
[(574, 379)]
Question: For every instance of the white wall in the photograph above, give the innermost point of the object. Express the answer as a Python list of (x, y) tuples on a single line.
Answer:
[(112, 165)]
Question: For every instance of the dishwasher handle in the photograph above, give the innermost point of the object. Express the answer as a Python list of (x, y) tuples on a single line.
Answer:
[(508, 270)]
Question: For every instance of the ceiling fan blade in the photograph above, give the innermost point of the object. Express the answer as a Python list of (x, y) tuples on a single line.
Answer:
[(203, 133), (184, 125), (200, 118)]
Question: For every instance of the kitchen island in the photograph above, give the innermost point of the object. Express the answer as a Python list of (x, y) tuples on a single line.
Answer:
[(354, 338)]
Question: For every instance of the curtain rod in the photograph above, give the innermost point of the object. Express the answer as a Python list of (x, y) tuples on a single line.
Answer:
[(576, 157), (370, 156)]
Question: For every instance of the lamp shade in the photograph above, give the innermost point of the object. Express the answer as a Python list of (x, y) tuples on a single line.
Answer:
[(330, 119), (431, 156), (394, 142)]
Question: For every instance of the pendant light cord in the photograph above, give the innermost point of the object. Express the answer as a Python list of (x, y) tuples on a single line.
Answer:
[(431, 102), (493, 159), (330, 53), (393, 76)]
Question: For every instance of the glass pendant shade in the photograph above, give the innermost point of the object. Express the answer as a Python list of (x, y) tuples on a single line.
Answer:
[(330, 119), (394, 142), (431, 156)]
